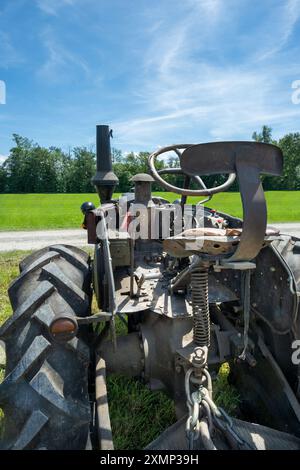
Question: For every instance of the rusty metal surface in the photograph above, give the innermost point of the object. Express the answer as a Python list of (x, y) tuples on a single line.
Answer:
[(153, 295), (270, 291), (267, 396), (227, 292), (181, 246), (162, 342), (142, 188), (220, 157), (120, 251), (207, 240), (129, 347), (254, 209), (105, 179), (90, 225), (184, 191), (219, 351), (248, 160), (187, 179)]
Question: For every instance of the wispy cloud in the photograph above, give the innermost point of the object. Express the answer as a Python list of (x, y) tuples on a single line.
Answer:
[(60, 60), (9, 55), (282, 22), (189, 86), (158, 72), (52, 7), (2, 158)]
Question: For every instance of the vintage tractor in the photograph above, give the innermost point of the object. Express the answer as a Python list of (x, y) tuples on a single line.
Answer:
[(195, 289)]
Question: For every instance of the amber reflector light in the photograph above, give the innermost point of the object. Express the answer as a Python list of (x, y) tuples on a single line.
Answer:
[(63, 325)]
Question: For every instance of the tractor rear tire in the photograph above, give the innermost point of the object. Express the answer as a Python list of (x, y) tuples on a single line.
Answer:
[(44, 394)]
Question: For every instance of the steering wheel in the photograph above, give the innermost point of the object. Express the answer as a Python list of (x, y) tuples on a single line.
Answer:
[(184, 191)]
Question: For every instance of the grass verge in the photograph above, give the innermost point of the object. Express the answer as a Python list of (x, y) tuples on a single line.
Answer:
[(138, 416), (54, 211)]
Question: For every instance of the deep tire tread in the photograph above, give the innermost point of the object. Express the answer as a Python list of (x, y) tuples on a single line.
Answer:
[(45, 391)]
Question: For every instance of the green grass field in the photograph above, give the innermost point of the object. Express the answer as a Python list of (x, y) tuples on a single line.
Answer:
[(51, 211), (137, 415)]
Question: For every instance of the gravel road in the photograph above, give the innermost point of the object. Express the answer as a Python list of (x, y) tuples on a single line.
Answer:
[(33, 240)]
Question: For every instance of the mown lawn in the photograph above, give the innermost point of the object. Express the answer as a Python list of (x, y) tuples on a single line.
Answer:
[(138, 416), (51, 211)]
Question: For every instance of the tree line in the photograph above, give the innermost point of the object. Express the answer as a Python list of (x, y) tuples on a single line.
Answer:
[(30, 168)]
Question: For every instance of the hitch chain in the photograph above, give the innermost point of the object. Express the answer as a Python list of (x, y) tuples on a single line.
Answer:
[(199, 421), (204, 416)]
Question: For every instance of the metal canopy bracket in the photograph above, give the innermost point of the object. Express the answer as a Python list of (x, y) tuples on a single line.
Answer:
[(254, 209), (248, 160)]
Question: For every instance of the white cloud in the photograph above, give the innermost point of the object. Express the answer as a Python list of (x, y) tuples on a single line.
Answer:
[(59, 59), (189, 87), (278, 29), (51, 7), (2, 158), (9, 55)]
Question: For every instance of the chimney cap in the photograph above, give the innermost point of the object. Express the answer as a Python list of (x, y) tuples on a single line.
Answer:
[(142, 177)]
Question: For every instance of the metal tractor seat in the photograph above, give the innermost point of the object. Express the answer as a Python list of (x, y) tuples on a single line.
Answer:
[(211, 241), (248, 160)]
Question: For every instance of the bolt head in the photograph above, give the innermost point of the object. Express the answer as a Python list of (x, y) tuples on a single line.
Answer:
[(199, 356)]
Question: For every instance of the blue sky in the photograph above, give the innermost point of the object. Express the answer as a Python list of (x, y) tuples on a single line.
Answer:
[(159, 71)]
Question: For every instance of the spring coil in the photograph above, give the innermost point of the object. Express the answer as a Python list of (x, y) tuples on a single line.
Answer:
[(200, 304)]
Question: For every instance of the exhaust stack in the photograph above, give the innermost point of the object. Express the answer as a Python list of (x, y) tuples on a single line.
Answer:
[(105, 179)]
